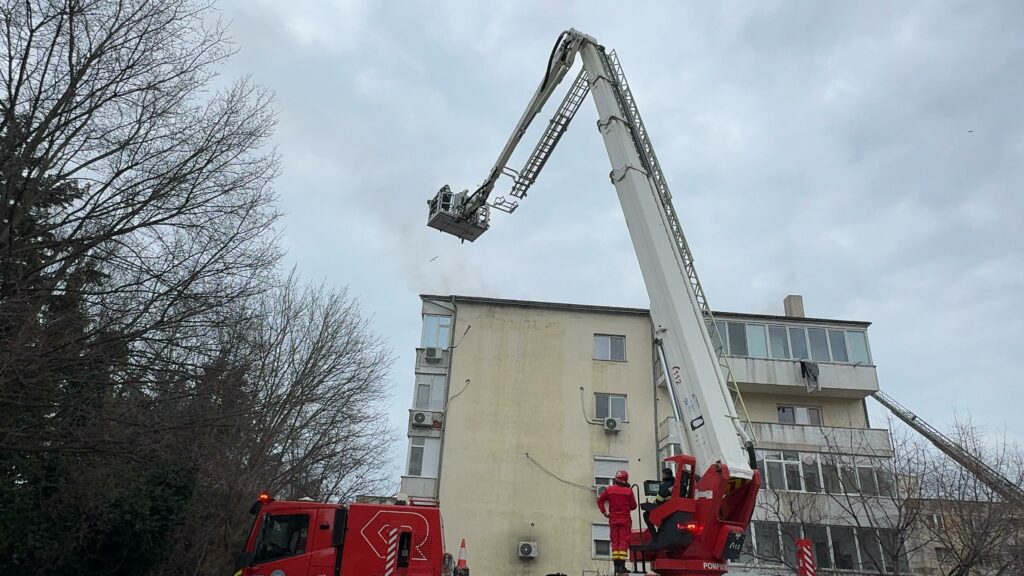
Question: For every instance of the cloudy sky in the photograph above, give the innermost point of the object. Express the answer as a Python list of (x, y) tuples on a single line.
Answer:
[(867, 155)]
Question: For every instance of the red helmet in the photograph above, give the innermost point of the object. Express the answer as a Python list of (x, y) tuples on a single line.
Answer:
[(622, 477)]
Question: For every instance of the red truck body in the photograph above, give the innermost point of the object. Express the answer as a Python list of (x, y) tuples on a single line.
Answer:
[(699, 528), (320, 539)]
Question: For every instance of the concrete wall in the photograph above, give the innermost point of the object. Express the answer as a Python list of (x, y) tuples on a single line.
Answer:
[(839, 412), (526, 367)]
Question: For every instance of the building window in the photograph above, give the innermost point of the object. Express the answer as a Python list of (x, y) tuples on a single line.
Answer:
[(934, 521), (719, 338), (849, 477), (798, 340), (866, 478), (792, 471), (800, 415), (894, 551), (609, 347), (781, 342), (429, 392), (819, 344), (613, 405), (747, 553), (870, 551), (818, 535), (834, 547), (416, 456), (778, 342), (436, 331), (424, 454), (810, 473), (605, 468), (844, 548), (602, 539), (886, 482), (737, 339), (830, 472), (858, 344), (783, 470), (837, 342), (757, 345), (942, 555), (766, 541)]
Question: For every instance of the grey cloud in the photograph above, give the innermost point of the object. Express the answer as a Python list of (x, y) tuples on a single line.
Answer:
[(866, 154)]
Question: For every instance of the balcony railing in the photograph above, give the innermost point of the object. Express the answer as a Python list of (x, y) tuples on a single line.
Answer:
[(764, 375), (419, 487), (862, 441)]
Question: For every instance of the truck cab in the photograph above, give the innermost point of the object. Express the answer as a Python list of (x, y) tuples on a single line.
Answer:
[(306, 538)]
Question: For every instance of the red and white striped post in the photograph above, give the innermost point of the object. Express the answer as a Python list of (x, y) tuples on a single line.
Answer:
[(392, 559), (805, 558)]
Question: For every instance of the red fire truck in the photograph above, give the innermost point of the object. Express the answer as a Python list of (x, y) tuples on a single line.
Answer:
[(306, 538)]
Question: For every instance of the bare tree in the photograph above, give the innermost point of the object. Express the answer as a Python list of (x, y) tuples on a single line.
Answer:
[(303, 378), (849, 501), (970, 528), (135, 203), (890, 511)]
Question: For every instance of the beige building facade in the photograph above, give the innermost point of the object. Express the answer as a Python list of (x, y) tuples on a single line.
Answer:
[(523, 410)]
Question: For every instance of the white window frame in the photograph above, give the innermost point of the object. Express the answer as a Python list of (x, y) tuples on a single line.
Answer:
[(802, 413), (430, 455), (416, 444), (605, 468), (608, 346), (434, 383), (598, 529), (845, 466), (722, 327), (434, 340), (625, 405)]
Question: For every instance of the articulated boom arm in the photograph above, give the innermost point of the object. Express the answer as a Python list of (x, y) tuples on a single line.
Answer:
[(701, 396)]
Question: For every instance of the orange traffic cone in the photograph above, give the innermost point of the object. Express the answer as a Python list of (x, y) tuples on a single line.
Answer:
[(461, 568)]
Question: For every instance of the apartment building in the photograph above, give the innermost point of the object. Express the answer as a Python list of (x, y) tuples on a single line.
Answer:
[(523, 410)]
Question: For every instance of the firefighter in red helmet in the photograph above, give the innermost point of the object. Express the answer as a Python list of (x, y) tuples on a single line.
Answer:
[(620, 503)]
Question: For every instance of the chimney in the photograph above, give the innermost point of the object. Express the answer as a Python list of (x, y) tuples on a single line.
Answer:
[(794, 305)]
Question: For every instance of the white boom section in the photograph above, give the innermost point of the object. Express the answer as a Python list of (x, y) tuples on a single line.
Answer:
[(703, 404), (709, 420)]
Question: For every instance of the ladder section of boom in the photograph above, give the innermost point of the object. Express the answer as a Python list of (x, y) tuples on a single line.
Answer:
[(650, 162), (985, 473)]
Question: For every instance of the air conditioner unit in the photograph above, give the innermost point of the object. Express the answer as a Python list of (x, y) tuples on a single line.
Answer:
[(527, 549), (422, 419), (600, 488), (432, 355), (612, 425)]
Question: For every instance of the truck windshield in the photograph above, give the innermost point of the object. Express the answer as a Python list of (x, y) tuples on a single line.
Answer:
[(281, 536)]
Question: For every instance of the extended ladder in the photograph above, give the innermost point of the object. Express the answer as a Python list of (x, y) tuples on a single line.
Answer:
[(982, 471), (542, 151), (645, 149)]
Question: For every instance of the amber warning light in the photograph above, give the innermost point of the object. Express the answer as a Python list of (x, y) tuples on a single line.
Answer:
[(265, 497)]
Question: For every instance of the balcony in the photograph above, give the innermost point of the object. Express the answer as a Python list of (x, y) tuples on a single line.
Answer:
[(419, 487), (429, 358), (836, 380), (863, 441)]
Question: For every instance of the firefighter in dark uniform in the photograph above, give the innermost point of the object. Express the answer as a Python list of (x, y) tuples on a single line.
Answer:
[(620, 502), (668, 480)]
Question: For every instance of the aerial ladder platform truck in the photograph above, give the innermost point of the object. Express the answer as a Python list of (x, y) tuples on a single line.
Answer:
[(703, 525)]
